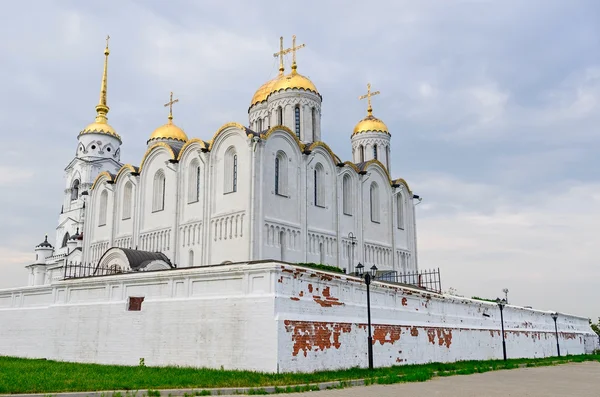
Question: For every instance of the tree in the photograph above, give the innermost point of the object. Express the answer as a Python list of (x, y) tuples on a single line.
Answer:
[(596, 327)]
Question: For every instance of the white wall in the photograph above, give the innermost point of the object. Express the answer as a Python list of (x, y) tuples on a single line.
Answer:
[(267, 317)]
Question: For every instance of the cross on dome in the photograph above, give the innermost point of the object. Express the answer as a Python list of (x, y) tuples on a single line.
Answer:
[(368, 95), (170, 105), (293, 50)]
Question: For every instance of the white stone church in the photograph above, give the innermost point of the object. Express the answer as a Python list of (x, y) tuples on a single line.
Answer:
[(269, 190)]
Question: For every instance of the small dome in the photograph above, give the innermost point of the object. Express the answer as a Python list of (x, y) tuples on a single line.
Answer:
[(294, 80), (169, 131), (44, 244), (370, 124), (100, 128), (263, 92)]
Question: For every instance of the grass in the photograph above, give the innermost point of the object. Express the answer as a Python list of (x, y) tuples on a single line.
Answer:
[(19, 375)]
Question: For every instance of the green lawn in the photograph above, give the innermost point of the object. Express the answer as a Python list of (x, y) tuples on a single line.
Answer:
[(44, 376)]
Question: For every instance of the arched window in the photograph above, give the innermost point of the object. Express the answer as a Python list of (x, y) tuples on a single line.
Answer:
[(319, 188), (297, 120), (279, 115), (230, 170), (347, 194), (103, 208), (281, 174), (127, 193), (375, 152), (361, 153), (374, 202), (400, 211), (75, 190), (259, 125), (194, 182), (314, 123), (158, 193), (65, 240), (191, 258)]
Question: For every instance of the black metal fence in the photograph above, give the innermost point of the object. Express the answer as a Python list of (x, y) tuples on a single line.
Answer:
[(426, 279), (81, 270)]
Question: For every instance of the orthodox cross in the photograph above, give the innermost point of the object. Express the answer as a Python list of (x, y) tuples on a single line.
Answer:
[(280, 54), (368, 95), (293, 50), (170, 105), (107, 38)]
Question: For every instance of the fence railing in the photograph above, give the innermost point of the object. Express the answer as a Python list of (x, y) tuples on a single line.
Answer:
[(81, 270), (427, 279)]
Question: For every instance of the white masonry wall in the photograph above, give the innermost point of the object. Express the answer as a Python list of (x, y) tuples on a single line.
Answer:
[(265, 316)]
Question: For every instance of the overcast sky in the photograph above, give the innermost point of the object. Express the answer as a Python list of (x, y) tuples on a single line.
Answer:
[(493, 107)]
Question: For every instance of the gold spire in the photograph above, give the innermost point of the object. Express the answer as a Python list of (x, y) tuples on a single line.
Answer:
[(293, 50), (170, 105), (368, 95), (280, 54), (102, 108)]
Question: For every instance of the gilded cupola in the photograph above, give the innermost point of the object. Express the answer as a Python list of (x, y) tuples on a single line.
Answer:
[(168, 131), (370, 123), (100, 125)]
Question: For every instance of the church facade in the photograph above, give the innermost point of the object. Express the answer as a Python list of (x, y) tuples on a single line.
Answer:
[(269, 190)]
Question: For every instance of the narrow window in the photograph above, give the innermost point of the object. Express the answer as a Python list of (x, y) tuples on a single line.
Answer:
[(65, 240), (282, 245), (361, 152), (193, 182), (374, 203), (259, 125), (400, 211), (276, 175), (191, 258), (230, 171), (281, 174), (347, 195), (375, 152), (297, 118), (314, 123), (158, 199), (103, 208), (234, 173), (319, 186), (75, 190), (279, 115), (387, 157), (127, 192)]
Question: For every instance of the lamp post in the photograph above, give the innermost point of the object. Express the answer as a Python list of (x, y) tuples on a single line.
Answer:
[(501, 303), (352, 239), (367, 277), (555, 317)]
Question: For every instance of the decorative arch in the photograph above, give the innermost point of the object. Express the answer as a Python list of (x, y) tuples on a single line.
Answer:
[(194, 174), (104, 174), (222, 129), (189, 143), (230, 170), (103, 208), (285, 129), (125, 168), (158, 191), (336, 159), (155, 146), (281, 173)]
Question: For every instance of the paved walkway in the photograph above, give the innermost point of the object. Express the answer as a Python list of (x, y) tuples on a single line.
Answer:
[(567, 380)]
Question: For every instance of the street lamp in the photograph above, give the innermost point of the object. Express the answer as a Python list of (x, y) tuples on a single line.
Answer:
[(501, 303), (555, 317), (367, 277), (505, 290)]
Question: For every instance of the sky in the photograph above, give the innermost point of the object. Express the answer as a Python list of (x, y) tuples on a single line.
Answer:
[(493, 108)]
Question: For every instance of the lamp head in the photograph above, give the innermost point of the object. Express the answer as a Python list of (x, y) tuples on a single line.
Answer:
[(373, 271), (501, 302), (360, 269), (554, 316)]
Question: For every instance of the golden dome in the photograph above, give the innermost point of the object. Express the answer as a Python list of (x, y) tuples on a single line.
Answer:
[(263, 92), (169, 131), (293, 80), (100, 127), (370, 123)]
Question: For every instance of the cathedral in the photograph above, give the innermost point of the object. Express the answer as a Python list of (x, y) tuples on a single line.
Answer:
[(270, 189)]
